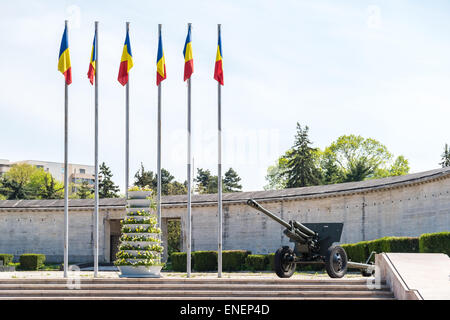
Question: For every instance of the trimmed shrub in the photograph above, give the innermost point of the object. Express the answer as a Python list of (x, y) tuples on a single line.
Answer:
[(179, 260), (360, 251), (234, 260), (270, 261), (204, 260), (6, 258), (31, 261), (435, 242), (256, 262), (356, 252), (404, 244)]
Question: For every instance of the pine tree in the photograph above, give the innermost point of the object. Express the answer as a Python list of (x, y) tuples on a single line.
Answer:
[(145, 178), (231, 181), (207, 183), (445, 157), (14, 190), (301, 170), (84, 190), (331, 173), (106, 187), (49, 189)]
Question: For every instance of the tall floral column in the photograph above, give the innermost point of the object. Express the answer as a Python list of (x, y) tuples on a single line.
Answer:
[(140, 247)]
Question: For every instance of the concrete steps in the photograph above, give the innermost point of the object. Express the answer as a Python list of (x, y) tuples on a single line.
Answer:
[(190, 289)]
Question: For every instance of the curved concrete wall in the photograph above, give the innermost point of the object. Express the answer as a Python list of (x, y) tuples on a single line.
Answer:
[(404, 210), (398, 206)]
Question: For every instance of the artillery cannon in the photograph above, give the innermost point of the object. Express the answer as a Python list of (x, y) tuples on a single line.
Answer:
[(313, 245)]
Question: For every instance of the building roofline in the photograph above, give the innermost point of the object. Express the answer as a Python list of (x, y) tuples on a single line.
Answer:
[(322, 191)]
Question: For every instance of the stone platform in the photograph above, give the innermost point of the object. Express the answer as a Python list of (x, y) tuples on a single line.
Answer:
[(418, 276), (175, 286)]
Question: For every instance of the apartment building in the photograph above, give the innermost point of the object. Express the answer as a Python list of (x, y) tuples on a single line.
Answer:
[(77, 172)]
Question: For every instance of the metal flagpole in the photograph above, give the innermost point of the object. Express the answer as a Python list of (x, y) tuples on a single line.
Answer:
[(158, 196), (96, 156), (127, 129), (189, 218), (66, 176), (219, 173)]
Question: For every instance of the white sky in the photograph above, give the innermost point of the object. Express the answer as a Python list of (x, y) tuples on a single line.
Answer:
[(375, 68)]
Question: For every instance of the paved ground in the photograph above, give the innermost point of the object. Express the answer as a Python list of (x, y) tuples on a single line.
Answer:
[(197, 275)]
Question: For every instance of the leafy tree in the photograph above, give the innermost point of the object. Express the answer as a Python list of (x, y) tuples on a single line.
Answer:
[(106, 187), (25, 181), (358, 159), (349, 158), (275, 174), (206, 182), (22, 181), (398, 168), (173, 236), (231, 181), (358, 171), (301, 169), (169, 186), (176, 187), (21, 173), (13, 190), (445, 161), (331, 173), (84, 191), (145, 178), (51, 189)]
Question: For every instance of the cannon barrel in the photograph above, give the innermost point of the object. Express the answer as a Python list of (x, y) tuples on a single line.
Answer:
[(302, 231), (252, 203)]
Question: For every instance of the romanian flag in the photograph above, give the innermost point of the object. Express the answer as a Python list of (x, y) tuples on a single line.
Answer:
[(188, 58), (64, 58), (91, 72), (126, 63), (218, 69), (160, 64)]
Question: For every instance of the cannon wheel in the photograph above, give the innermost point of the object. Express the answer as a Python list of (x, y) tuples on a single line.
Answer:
[(283, 267), (336, 262)]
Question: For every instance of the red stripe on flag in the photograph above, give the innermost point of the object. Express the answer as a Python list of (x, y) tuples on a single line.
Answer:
[(68, 76), (188, 69), (159, 78), (91, 73), (218, 72), (123, 73)]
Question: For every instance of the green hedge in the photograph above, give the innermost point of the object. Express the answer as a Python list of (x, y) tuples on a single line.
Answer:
[(179, 260), (234, 260), (237, 260), (205, 260), (435, 242), (360, 251), (356, 252), (270, 261), (6, 258), (31, 261), (256, 262)]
